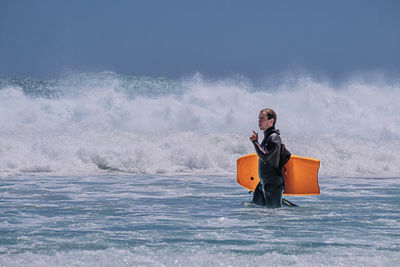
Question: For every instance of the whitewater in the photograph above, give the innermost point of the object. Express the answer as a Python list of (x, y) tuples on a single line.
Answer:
[(104, 121), (104, 169)]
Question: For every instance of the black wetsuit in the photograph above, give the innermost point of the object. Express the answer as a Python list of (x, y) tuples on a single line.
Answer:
[(269, 190)]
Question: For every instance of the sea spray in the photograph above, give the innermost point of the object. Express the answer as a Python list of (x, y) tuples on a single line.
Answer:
[(95, 122)]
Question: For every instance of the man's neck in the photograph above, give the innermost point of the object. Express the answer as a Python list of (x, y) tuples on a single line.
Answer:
[(269, 130)]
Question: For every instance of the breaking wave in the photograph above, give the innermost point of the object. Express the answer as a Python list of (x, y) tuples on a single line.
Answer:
[(96, 122)]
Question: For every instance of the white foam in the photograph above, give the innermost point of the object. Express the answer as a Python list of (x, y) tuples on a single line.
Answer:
[(354, 129), (215, 256)]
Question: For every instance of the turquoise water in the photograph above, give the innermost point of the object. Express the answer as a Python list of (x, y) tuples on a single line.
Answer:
[(114, 219), (103, 169)]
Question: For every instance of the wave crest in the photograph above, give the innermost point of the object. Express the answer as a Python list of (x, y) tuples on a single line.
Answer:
[(110, 122)]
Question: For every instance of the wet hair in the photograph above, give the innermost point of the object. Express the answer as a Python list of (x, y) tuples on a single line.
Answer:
[(271, 114)]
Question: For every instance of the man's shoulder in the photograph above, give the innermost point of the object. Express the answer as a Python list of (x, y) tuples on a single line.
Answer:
[(274, 137)]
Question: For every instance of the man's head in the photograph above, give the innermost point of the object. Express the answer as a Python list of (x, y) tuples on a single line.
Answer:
[(266, 119)]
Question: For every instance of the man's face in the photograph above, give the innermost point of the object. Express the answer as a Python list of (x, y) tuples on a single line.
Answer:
[(263, 121)]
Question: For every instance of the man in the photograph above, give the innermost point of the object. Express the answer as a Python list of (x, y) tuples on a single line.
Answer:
[(270, 189)]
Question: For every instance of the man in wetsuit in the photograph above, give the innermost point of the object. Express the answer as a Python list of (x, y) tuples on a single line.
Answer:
[(269, 190)]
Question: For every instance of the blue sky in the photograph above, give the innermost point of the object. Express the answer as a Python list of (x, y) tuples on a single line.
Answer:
[(218, 38)]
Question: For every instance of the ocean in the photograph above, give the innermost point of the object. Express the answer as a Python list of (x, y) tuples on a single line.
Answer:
[(103, 169)]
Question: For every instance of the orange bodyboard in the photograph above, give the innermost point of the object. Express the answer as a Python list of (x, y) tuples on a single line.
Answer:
[(300, 174)]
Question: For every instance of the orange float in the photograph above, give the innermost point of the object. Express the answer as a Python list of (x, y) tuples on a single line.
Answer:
[(300, 174)]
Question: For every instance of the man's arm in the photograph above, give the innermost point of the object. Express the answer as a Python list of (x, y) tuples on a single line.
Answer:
[(271, 156)]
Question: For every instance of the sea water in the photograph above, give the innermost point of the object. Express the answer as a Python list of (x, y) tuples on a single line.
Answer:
[(101, 169), (180, 220)]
